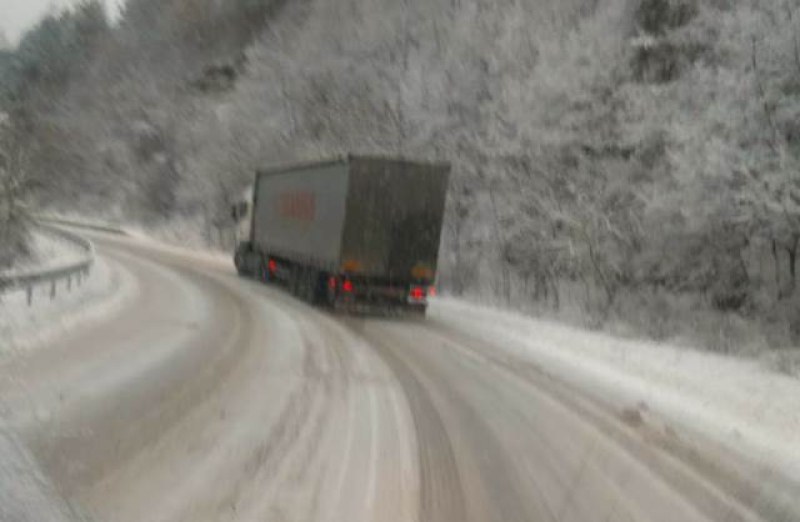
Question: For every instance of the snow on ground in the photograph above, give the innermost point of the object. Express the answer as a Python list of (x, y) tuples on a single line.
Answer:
[(737, 401), (25, 493), (102, 294), (178, 237), (187, 249), (734, 400), (49, 251)]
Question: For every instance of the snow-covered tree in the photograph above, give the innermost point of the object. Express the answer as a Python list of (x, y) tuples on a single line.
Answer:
[(13, 185)]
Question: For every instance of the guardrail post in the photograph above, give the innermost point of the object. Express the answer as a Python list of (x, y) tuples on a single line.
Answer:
[(52, 289), (29, 294)]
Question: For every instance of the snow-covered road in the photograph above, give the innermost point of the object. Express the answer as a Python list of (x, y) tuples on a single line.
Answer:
[(209, 397)]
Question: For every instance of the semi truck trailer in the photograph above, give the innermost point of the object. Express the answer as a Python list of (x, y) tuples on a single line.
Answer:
[(348, 233)]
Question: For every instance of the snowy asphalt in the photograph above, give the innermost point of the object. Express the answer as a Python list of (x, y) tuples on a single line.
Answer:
[(209, 397)]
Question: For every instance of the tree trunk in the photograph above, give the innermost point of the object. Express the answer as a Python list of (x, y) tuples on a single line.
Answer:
[(792, 251), (458, 262), (777, 261), (556, 295), (504, 275), (602, 279)]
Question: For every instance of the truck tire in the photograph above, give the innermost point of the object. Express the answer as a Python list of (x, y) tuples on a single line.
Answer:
[(320, 295), (307, 285), (313, 286), (295, 283), (240, 262)]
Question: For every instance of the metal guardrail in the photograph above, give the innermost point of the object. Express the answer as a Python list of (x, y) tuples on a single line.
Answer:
[(71, 273)]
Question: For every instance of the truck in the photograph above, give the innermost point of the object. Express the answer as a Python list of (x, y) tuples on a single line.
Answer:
[(350, 233)]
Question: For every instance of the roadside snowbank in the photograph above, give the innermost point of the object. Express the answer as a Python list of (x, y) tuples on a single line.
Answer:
[(186, 250), (25, 493), (103, 293), (48, 251), (735, 401), (178, 238)]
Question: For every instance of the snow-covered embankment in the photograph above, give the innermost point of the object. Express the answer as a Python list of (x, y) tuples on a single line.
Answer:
[(24, 327), (25, 493), (736, 401)]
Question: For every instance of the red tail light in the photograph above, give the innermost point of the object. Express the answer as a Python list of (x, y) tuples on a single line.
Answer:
[(272, 265), (417, 293), (347, 286), (431, 291)]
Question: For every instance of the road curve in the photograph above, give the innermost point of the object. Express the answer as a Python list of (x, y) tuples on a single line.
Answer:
[(209, 397)]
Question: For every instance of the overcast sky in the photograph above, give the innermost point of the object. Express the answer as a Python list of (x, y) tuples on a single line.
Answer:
[(18, 15)]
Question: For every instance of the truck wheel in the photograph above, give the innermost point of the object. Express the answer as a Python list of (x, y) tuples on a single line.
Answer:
[(308, 288), (296, 282), (263, 272), (313, 293), (240, 262), (319, 295), (308, 279)]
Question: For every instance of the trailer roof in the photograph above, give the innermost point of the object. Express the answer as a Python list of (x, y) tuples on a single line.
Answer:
[(279, 169)]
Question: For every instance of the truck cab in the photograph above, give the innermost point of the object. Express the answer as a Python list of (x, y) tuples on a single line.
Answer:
[(242, 214)]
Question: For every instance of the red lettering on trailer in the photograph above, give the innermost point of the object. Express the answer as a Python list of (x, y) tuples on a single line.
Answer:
[(301, 206)]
